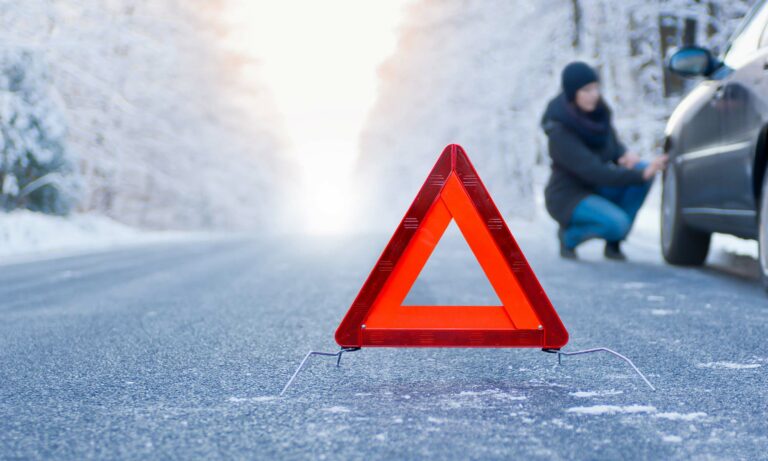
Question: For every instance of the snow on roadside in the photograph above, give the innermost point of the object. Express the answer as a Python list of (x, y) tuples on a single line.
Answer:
[(26, 235)]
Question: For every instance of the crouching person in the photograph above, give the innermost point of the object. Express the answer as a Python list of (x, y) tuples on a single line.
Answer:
[(596, 187)]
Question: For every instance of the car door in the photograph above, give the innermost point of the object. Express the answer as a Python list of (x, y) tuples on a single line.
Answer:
[(699, 137), (719, 174), (744, 100), (741, 126)]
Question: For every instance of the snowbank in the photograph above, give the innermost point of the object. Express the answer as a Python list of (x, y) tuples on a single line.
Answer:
[(25, 235)]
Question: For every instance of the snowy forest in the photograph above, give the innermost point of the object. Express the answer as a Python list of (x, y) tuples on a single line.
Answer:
[(137, 109), (480, 73), (133, 109)]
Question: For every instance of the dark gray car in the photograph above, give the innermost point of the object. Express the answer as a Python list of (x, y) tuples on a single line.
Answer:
[(716, 139)]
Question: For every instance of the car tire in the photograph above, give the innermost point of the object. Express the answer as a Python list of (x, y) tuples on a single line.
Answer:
[(762, 239), (680, 244)]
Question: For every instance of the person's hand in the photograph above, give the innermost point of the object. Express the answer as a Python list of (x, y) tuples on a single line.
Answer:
[(629, 160), (654, 166)]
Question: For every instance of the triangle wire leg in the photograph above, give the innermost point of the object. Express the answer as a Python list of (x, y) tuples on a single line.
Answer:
[(310, 354), (342, 351), (601, 349)]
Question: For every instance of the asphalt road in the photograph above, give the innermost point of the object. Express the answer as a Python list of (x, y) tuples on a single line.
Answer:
[(178, 351)]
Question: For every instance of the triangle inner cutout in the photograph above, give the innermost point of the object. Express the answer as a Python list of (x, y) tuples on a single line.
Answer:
[(452, 276)]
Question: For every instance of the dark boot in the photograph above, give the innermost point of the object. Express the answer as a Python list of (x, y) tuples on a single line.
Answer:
[(565, 252), (613, 251)]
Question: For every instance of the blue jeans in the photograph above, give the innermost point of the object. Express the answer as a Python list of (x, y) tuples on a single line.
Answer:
[(607, 214)]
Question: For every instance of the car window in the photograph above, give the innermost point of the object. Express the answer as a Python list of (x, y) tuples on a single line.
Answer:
[(748, 36)]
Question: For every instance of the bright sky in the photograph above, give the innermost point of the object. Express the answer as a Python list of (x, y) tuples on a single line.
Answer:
[(319, 59)]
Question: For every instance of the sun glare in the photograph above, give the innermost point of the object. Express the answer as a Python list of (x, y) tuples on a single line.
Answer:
[(319, 60)]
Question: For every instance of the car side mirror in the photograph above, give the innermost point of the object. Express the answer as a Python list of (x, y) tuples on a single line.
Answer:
[(692, 61)]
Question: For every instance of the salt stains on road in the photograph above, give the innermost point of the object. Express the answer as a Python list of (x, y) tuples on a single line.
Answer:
[(671, 438), (492, 393), (634, 409), (611, 409), (479, 399), (663, 312), (337, 409), (633, 285), (681, 416), (587, 394), (728, 365), (261, 398)]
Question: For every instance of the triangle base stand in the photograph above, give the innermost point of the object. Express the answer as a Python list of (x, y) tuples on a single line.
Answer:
[(326, 354), (559, 353), (600, 349)]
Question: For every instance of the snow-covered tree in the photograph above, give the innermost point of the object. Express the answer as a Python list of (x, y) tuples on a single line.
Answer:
[(167, 130), (36, 169)]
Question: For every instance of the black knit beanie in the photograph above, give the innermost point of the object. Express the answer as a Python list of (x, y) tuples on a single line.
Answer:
[(575, 76)]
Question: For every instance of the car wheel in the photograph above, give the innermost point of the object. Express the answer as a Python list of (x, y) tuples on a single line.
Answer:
[(680, 244), (762, 239)]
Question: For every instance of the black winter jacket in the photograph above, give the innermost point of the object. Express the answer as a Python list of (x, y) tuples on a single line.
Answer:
[(577, 169)]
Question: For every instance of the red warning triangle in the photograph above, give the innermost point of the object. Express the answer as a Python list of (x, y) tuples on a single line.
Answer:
[(378, 317)]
